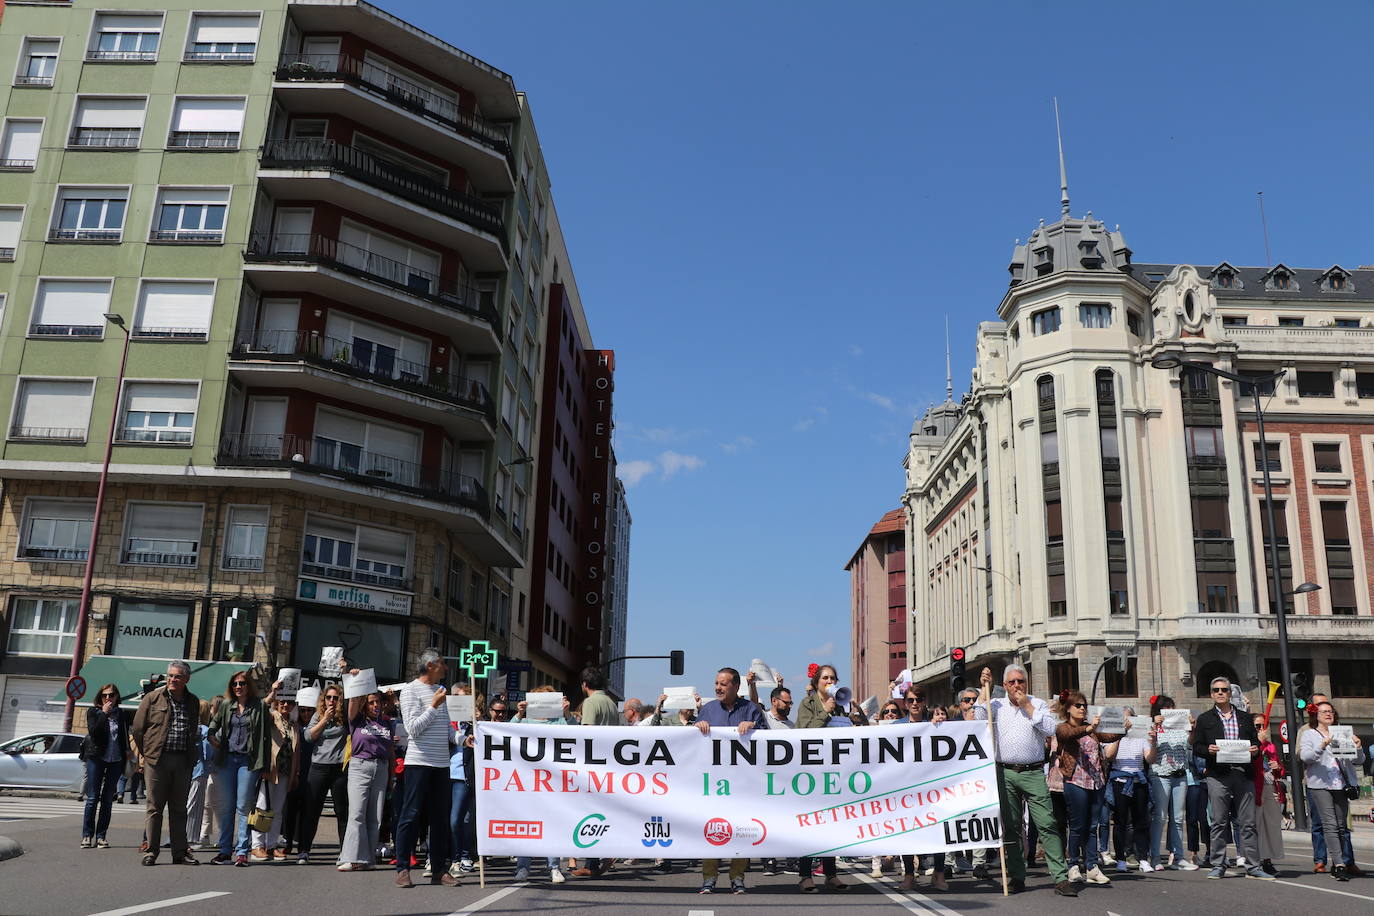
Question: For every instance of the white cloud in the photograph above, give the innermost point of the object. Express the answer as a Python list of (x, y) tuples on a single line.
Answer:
[(632, 472), (672, 462), (881, 400), (738, 444), (822, 652), (666, 465)]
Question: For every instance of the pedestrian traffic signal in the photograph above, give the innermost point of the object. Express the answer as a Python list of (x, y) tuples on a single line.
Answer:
[(956, 670)]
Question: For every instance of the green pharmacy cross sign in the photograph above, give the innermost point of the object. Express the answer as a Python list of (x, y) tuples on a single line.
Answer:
[(479, 658)]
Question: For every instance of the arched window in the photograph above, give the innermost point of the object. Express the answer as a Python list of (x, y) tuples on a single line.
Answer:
[(1213, 669)]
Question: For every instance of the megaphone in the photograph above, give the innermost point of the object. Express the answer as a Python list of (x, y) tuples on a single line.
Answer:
[(842, 695)]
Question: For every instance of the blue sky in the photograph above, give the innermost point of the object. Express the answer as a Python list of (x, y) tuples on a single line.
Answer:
[(772, 207)]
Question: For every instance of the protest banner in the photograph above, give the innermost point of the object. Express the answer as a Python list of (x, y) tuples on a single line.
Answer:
[(679, 698), (1177, 720), (615, 791), (331, 662), (308, 697), (544, 706), (290, 679), (360, 684), (461, 707)]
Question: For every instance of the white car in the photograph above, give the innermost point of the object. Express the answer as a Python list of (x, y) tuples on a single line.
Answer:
[(49, 761)]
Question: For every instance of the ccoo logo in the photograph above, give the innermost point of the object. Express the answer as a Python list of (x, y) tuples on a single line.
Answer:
[(718, 831), (590, 831)]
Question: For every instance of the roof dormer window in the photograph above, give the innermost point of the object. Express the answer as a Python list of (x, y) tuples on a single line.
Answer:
[(1224, 276), (1225, 279), (1337, 280), (1088, 255), (1044, 260), (1280, 278)]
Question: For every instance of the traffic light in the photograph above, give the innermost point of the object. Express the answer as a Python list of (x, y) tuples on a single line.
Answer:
[(676, 665), (956, 670), (1302, 689)]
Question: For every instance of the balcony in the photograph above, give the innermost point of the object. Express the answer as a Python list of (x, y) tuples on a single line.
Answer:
[(347, 273), (360, 576), (203, 139), (269, 354), (411, 112), (57, 554), (105, 137), (349, 177), (347, 462), (48, 433)]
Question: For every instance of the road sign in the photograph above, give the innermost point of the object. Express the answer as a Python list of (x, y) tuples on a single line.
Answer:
[(1283, 731), (512, 681), (76, 687), (479, 658)]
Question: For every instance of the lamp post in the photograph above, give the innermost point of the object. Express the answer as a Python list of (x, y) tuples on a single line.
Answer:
[(1167, 361), (84, 611)]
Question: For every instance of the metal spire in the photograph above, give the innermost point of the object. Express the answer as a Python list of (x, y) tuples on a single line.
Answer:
[(949, 376), (1063, 173)]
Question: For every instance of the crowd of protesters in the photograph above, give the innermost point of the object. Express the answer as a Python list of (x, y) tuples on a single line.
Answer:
[(248, 778)]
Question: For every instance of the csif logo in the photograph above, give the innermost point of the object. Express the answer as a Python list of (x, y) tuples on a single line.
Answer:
[(590, 831), (658, 832), (718, 831)]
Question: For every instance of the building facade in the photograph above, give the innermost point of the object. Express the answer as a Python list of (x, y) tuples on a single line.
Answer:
[(877, 600), (1099, 520), (324, 241)]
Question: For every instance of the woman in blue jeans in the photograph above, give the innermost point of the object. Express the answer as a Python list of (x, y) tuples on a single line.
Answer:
[(1080, 762), (1169, 786), (239, 734), (105, 751)]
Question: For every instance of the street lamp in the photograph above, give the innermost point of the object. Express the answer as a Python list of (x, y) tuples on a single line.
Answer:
[(1171, 361), (84, 613)]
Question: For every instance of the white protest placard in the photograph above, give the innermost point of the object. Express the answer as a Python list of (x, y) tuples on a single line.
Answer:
[(290, 679), (870, 706), (331, 661), (906, 789), (360, 684), (1140, 726), (765, 678), (901, 683), (680, 698), (1113, 720), (543, 705), (460, 707), (1176, 720), (1342, 742), (309, 697), (1233, 750), (390, 688)]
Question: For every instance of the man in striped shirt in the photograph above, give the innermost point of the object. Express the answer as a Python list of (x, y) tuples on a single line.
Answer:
[(427, 789)]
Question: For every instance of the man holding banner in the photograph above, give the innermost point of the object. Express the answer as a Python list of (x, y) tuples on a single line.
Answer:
[(727, 710)]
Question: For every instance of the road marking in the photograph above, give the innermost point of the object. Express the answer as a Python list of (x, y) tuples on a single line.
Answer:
[(701, 913), (490, 899), (911, 900), (159, 904), (1324, 890), (24, 809)]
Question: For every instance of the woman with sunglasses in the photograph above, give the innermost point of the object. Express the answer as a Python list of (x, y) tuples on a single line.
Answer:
[(819, 710), (329, 733), (891, 713), (1328, 777), (105, 751), (239, 734), (1079, 763), (278, 777)]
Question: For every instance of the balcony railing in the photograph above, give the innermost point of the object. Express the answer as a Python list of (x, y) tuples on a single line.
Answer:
[(52, 553), (105, 137), (369, 362), (17, 165), (139, 557), (243, 562), (66, 330), (203, 139), (85, 235), (330, 252), (33, 81), (335, 459), (48, 433), (403, 93), (188, 236), (356, 163), (171, 333), (361, 576)]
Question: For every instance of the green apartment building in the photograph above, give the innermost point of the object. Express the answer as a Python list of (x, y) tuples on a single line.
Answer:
[(324, 237)]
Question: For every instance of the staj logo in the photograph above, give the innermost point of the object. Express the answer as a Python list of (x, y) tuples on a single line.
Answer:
[(657, 831), (718, 831), (590, 831), (516, 830)]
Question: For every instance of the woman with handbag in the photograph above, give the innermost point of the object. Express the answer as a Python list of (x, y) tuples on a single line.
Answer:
[(239, 734), (278, 778), (104, 751), (1332, 782)]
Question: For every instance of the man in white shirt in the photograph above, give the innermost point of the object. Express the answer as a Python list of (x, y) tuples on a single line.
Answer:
[(426, 784), (1023, 724), (633, 711), (780, 702)]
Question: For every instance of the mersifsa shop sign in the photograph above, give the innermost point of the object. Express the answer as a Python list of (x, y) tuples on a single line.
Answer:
[(351, 596)]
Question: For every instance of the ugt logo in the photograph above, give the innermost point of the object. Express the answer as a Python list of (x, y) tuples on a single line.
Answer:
[(657, 831), (590, 831)]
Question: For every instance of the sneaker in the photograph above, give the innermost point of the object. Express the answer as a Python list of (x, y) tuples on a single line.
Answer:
[(1132, 862), (258, 852), (1075, 875), (708, 887), (467, 864), (962, 864), (1259, 874), (86, 842), (1185, 865), (980, 872), (102, 843), (665, 867), (303, 859), (1218, 872), (429, 869), (770, 868), (737, 885), (222, 859), (1146, 868), (1065, 889), (1095, 876), (346, 866), (1108, 859), (1269, 868), (1341, 872), (556, 875), (877, 870), (522, 874), (240, 861)]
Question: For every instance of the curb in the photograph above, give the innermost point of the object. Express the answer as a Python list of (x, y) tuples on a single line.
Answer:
[(9, 848)]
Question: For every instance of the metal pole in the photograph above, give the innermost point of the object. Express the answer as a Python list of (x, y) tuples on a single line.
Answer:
[(1299, 808), (83, 615)]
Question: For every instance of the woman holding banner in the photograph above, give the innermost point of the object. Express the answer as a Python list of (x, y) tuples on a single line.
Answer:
[(239, 734), (369, 769), (329, 732), (819, 710)]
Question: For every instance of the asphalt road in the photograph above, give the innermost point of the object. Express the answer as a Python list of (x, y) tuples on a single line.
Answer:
[(56, 877)]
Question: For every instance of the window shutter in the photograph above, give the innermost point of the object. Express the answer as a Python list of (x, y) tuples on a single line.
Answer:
[(209, 115), (22, 140), (61, 508), (10, 219), (113, 22), (72, 302), (194, 196), (385, 546), (175, 304), (54, 404), (165, 522), (331, 528), (127, 113), (168, 396), (224, 29), (341, 428)]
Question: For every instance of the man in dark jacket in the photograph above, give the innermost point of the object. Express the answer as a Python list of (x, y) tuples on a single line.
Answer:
[(1230, 786), (166, 732)]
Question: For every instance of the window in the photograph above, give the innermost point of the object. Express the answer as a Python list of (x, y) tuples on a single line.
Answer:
[(1316, 385), (225, 38), (1046, 321), (162, 534), (1118, 596), (56, 530), (1263, 380), (1280, 279), (1054, 522), (19, 145), (1059, 605), (89, 214), (1133, 323), (475, 596), (190, 215), (1334, 528), (107, 123), (1273, 457), (174, 309), (37, 62), (1286, 321), (1326, 457), (1211, 518), (245, 537), (70, 308), (125, 36), (1342, 592), (1121, 682), (43, 626), (1364, 384), (1280, 521), (502, 488), (1107, 437), (359, 446), (11, 219), (1044, 389), (1224, 279), (1049, 447), (517, 511), (1115, 526), (1351, 678), (52, 409), (1217, 593), (1095, 315), (337, 549), (1235, 321), (522, 430), (158, 412), (508, 405), (1204, 444), (213, 123), (456, 572), (1063, 675), (1347, 322)]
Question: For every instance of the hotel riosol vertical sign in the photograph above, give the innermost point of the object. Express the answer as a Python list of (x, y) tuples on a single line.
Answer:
[(598, 482)]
